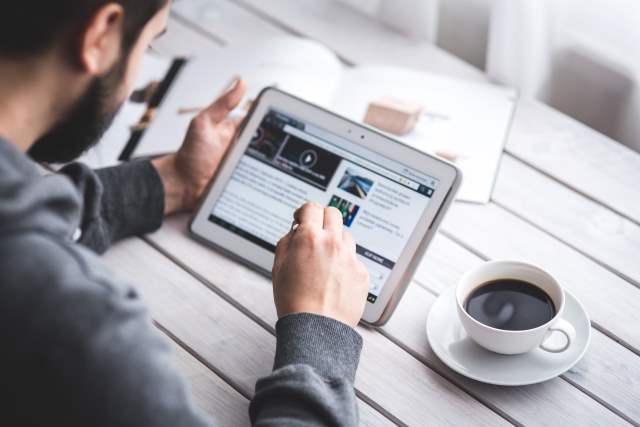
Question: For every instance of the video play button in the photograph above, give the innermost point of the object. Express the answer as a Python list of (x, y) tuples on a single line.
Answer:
[(308, 158)]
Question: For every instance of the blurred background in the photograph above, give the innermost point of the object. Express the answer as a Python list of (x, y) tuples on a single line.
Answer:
[(581, 57), (578, 57)]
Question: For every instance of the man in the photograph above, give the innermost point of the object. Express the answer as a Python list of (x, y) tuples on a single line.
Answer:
[(78, 347)]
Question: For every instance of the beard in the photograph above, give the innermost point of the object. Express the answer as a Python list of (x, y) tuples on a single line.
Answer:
[(85, 123)]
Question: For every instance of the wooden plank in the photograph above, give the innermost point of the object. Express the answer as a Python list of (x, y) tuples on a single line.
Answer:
[(569, 398), (578, 156), (230, 343), (211, 394), (594, 230), (498, 234), (387, 375), (609, 372)]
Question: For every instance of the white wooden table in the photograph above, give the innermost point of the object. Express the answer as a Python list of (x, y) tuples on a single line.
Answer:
[(567, 199)]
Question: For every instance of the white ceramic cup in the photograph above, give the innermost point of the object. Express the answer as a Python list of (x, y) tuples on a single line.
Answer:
[(508, 341)]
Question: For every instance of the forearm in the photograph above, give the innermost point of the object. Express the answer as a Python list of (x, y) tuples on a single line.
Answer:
[(128, 199), (117, 202), (314, 370)]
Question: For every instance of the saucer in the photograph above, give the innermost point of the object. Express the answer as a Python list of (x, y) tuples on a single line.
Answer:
[(457, 350)]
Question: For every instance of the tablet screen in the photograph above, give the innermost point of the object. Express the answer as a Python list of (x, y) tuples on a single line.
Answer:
[(289, 162)]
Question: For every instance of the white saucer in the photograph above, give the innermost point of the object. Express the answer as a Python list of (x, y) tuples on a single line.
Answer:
[(450, 342)]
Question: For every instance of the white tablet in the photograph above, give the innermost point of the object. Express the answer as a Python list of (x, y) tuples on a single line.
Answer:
[(392, 196)]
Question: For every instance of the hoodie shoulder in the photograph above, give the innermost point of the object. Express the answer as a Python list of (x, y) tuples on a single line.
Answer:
[(29, 200)]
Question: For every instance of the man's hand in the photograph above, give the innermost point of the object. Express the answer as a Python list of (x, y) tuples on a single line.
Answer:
[(186, 173), (316, 269)]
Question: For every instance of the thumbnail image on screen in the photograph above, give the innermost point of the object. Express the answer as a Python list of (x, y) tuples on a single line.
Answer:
[(348, 209), (355, 184)]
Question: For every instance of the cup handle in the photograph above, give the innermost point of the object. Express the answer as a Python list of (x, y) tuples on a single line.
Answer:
[(566, 329)]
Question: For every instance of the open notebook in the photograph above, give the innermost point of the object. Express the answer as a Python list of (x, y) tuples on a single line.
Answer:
[(469, 119)]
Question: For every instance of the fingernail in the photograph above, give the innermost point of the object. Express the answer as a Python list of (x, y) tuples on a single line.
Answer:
[(233, 85)]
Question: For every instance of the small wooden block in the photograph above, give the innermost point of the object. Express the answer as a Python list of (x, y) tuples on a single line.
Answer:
[(393, 115)]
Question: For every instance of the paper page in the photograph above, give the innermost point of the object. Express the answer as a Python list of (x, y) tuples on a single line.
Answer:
[(108, 149), (469, 119), (301, 67)]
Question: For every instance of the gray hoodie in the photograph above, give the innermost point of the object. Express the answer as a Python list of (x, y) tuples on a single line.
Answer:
[(77, 346)]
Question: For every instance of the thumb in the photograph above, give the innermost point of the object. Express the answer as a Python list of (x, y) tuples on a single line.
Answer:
[(222, 106)]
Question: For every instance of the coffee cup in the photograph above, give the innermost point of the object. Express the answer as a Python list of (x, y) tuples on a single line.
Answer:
[(512, 307)]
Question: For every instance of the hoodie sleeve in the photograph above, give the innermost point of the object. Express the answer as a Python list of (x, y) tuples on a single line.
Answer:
[(117, 202), (313, 375)]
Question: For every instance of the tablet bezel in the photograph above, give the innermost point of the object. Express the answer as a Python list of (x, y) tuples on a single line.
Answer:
[(447, 174)]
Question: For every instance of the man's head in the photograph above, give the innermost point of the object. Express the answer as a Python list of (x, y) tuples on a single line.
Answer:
[(97, 46)]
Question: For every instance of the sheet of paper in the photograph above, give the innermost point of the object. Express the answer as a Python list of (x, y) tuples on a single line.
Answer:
[(466, 118), (301, 67), (108, 149)]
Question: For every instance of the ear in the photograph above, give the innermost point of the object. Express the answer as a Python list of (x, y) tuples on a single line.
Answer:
[(101, 39)]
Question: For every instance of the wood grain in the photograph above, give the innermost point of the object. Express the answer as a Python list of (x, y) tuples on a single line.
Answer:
[(577, 156), (598, 232), (611, 385), (210, 393), (387, 375), (229, 342)]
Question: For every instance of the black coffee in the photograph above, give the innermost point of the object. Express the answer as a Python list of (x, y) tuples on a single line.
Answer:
[(510, 304)]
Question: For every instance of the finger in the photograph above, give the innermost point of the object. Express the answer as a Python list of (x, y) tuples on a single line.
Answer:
[(310, 215), (222, 106), (332, 220)]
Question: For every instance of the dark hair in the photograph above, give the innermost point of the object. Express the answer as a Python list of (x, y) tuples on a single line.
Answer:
[(29, 27)]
